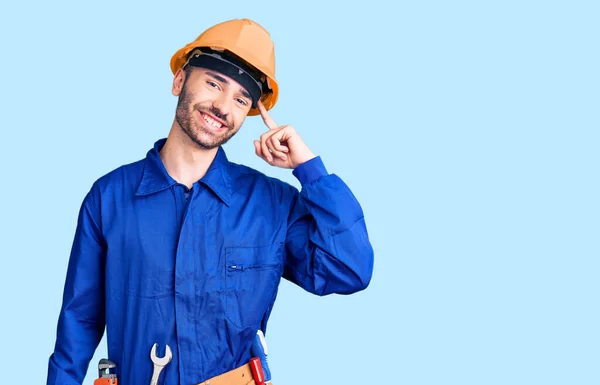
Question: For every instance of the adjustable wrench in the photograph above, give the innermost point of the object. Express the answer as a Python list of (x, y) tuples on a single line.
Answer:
[(159, 363)]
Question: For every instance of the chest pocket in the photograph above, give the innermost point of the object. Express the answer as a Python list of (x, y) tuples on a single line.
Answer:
[(252, 275)]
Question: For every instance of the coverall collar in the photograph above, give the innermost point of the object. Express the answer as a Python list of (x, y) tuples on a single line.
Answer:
[(155, 177)]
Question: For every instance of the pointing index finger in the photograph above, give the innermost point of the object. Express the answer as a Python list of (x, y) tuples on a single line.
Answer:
[(266, 117)]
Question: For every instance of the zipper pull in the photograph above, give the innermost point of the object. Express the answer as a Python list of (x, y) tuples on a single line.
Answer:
[(236, 267)]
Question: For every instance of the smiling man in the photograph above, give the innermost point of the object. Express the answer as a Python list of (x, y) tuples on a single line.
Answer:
[(186, 249)]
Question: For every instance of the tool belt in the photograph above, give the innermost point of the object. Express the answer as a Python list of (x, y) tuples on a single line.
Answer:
[(240, 376)]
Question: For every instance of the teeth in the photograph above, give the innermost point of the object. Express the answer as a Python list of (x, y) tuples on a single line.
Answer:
[(211, 121)]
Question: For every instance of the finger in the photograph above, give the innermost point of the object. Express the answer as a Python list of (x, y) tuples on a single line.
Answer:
[(280, 137), (278, 149), (274, 145), (265, 148), (258, 150), (269, 122)]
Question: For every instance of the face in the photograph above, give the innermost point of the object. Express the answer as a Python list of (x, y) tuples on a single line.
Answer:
[(211, 106)]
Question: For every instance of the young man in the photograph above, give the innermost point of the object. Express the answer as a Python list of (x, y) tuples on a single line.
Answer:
[(186, 249)]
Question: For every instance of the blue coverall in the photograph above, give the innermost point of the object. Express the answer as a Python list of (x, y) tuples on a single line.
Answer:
[(199, 269)]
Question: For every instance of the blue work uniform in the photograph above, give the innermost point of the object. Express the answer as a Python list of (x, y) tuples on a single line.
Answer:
[(199, 269)]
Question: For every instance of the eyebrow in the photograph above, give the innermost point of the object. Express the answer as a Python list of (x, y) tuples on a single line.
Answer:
[(223, 80)]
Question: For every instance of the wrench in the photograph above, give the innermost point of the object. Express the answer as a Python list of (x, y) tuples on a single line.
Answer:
[(159, 363)]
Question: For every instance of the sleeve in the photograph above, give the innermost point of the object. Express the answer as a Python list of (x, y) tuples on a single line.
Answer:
[(81, 320), (327, 246)]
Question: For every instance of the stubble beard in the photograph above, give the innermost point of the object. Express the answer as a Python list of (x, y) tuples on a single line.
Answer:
[(195, 130)]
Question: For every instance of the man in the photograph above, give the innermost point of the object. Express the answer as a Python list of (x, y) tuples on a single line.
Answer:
[(186, 249)]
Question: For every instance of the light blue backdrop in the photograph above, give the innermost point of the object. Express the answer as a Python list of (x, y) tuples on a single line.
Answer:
[(468, 130)]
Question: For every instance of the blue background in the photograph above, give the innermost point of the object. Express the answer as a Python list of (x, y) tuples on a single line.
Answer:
[(468, 131)]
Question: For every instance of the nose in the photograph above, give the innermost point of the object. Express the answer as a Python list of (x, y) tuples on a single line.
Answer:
[(222, 103)]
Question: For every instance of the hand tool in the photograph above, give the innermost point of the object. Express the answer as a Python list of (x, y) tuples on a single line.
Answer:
[(104, 375), (257, 372), (159, 363), (259, 349)]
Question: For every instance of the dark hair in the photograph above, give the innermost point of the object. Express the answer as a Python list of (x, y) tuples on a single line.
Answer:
[(187, 70)]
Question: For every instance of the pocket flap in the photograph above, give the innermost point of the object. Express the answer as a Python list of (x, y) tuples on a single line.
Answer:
[(253, 257)]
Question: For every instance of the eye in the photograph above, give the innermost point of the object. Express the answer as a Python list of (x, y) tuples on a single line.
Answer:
[(242, 102), (212, 84)]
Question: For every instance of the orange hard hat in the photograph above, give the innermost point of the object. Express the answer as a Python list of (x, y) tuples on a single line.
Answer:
[(246, 39)]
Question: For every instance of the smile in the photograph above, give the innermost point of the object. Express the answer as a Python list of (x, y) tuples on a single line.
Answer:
[(210, 121)]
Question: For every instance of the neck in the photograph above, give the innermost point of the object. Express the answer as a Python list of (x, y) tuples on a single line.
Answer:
[(184, 160)]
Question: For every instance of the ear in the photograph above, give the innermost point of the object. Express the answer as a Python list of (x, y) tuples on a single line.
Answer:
[(178, 82)]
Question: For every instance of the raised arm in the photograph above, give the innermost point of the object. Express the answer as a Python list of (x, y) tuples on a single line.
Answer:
[(328, 248)]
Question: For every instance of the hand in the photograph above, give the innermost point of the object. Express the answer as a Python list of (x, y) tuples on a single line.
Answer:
[(281, 146)]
